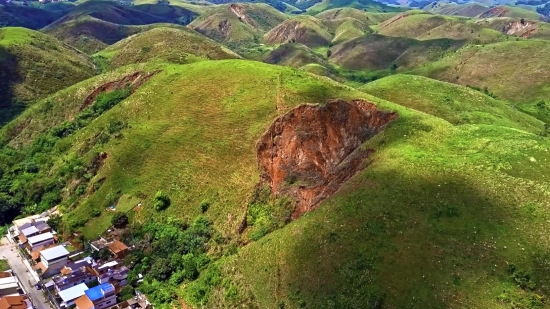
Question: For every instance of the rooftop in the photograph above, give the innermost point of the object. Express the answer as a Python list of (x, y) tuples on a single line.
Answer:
[(99, 291), (8, 283), (13, 302), (40, 237), (29, 231), (54, 253), (83, 302), (117, 246), (73, 293), (20, 222)]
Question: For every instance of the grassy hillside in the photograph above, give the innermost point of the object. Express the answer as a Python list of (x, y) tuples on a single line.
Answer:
[(504, 68), (367, 18), (510, 11), (243, 22), (454, 103), (453, 9), (307, 30), (294, 55), (524, 28), (34, 65), (427, 26), (439, 209), (367, 5), (164, 44), (377, 52)]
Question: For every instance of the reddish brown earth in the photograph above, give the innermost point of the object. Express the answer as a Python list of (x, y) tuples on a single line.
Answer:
[(311, 151), (498, 11), (135, 80), (528, 33)]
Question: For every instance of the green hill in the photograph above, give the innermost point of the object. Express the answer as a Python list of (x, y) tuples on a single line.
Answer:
[(377, 52), (424, 26), (242, 22), (435, 208), (165, 44), (510, 11), (367, 18), (454, 103), (453, 9), (366, 5), (307, 30), (34, 65), (294, 55), (503, 68)]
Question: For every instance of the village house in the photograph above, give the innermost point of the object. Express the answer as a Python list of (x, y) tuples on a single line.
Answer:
[(100, 297), (40, 240), (52, 260), (118, 249), (69, 295), (27, 224), (15, 302)]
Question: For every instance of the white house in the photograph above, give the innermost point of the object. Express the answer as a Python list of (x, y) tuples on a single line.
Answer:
[(52, 260), (9, 286), (40, 240), (71, 294)]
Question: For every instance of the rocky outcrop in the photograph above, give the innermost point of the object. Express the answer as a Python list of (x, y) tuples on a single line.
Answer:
[(311, 151), (516, 26), (134, 80)]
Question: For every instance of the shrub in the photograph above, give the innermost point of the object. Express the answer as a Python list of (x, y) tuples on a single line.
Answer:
[(119, 219), (204, 206), (161, 201)]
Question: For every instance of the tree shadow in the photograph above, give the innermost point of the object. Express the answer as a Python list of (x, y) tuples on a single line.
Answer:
[(10, 106)]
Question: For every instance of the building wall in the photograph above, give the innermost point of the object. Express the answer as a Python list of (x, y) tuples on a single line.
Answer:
[(106, 302), (8, 291), (43, 243), (73, 282)]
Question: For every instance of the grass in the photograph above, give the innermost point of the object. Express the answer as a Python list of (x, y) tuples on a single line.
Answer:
[(367, 5), (294, 55), (456, 104), (4, 265), (24, 55), (367, 18), (502, 67), (165, 44)]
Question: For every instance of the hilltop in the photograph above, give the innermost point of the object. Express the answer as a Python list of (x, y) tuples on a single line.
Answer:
[(367, 18), (28, 17), (24, 56), (365, 5), (242, 22), (164, 44), (294, 55)]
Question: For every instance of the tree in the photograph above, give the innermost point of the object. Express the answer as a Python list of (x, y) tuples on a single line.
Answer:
[(119, 219), (161, 201), (161, 269), (54, 222), (126, 293)]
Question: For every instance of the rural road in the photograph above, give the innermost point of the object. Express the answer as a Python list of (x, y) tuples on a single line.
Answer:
[(20, 270)]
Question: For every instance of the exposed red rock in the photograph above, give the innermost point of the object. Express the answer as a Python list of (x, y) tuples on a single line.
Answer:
[(312, 150)]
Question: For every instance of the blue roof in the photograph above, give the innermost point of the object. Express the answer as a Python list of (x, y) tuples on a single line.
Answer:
[(97, 292)]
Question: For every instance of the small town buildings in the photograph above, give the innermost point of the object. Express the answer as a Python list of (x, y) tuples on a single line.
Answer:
[(100, 297), (15, 302), (20, 225), (52, 260), (69, 295), (74, 273), (40, 240)]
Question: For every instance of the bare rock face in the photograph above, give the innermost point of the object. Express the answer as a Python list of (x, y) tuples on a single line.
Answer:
[(514, 27), (312, 150)]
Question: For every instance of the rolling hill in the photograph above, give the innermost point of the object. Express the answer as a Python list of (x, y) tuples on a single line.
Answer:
[(367, 18), (307, 30), (453, 9), (28, 17), (444, 207), (294, 55), (243, 22), (34, 65), (366, 5), (165, 44)]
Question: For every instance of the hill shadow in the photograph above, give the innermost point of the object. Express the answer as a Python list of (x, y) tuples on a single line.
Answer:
[(10, 106)]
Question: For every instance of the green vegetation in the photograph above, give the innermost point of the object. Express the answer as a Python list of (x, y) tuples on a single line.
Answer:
[(119, 219), (161, 201), (4, 265)]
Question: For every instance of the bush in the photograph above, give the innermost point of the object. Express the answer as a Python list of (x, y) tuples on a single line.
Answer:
[(119, 219), (204, 206), (161, 201)]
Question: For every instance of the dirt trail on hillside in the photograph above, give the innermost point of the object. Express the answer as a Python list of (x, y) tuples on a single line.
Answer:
[(311, 151)]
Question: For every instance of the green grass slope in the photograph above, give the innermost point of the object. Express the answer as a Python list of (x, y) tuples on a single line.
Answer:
[(294, 55), (454, 103), (512, 70), (165, 44), (510, 11), (367, 5), (377, 52), (234, 23), (428, 26), (438, 210), (34, 65), (367, 18), (453, 9), (307, 30)]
